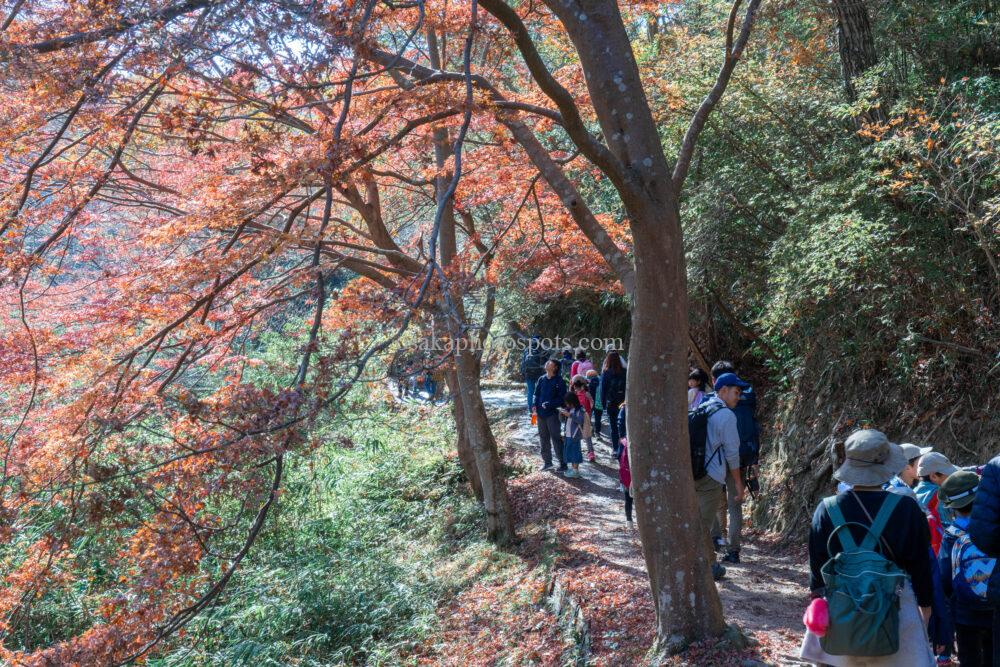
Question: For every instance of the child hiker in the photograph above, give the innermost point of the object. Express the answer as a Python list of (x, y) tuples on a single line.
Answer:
[(575, 418), (580, 388), (966, 573)]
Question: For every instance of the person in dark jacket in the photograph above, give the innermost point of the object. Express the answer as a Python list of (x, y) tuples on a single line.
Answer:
[(984, 529), (870, 460), (532, 366), (973, 617), (550, 393), (613, 395), (594, 387)]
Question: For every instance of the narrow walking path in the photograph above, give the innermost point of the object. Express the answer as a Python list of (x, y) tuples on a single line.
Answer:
[(765, 595)]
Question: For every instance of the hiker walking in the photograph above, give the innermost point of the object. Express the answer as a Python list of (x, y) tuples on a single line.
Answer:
[(864, 546), (594, 388), (581, 387), (566, 363), (576, 420), (581, 365), (934, 468), (749, 456), (966, 573), (625, 477), (613, 395), (697, 388), (903, 481), (722, 453), (532, 366), (984, 529), (550, 393)]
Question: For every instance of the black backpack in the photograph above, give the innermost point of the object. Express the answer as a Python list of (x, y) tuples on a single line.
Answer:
[(698, 434)]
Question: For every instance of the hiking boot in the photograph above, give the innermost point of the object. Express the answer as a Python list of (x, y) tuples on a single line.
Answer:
[(718, 572), (591, 457), (732, 557), (630, 525), (547, 466)]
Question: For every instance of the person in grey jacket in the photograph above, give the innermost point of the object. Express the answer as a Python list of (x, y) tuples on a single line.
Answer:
[(722, 455)]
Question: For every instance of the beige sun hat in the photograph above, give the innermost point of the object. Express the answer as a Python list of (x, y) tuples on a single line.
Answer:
[(870, 459), (935, 462)]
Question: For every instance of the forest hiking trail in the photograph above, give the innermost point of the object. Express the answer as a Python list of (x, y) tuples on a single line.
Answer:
[(603, 567)]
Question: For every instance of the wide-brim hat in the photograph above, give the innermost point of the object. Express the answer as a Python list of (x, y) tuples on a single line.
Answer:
[(959, 490), (870, 459)]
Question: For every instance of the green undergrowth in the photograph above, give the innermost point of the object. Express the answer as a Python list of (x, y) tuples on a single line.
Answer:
[(374, 531)]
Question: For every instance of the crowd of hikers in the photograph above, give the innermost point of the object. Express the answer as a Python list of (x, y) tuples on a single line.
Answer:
[(902, 558)]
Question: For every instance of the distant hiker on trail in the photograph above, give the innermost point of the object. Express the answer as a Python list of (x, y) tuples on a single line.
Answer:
[(581, 365), (575, 420), (566, 363), (697, 388), (984, 529), (934, 468), (965, 573), (581, 388), (749, 455), (550, 392), (722, 454), (900, 534), (613, 395), (905, 479), (594, 382), (533, 366), (625, 477)]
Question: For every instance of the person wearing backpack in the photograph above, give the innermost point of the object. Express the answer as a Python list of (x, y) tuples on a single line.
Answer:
[(613, 395), (870, 560), (532, 366), (746, 425), (966, 574), (984, 529), (715, 440)]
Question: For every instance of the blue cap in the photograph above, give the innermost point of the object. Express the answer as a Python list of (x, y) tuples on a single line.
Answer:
[(730, 380)]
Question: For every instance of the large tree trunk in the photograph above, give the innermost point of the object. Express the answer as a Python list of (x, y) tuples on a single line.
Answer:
[(674, 543), (465, 454)]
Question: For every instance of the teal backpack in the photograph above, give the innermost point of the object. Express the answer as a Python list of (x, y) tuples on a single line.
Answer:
[(862, 588)]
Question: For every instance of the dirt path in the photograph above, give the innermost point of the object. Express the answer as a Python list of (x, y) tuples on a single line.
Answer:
[(765, 594)]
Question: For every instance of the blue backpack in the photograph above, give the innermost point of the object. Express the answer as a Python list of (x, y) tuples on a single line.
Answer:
[(972, 571)]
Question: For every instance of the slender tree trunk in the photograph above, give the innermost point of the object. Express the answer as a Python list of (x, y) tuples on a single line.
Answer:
[(499, 517), (465, 454), (479, 434)]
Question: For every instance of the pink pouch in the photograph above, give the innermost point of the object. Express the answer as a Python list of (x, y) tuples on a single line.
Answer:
[(817, 617)]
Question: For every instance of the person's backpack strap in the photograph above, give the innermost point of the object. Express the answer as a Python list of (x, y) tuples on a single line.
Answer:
[(881, 519), (839, 525)]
